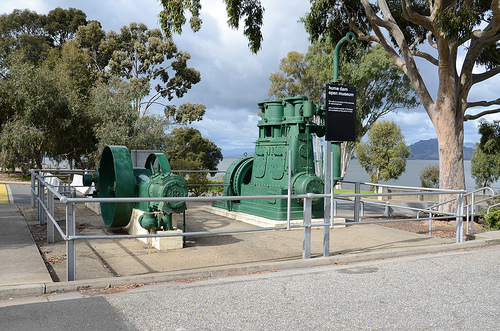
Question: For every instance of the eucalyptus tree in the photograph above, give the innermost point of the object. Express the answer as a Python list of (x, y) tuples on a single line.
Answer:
[(439, 32), (142, 56)]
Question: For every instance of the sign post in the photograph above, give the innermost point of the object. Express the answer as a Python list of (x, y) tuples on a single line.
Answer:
[(328, 171)]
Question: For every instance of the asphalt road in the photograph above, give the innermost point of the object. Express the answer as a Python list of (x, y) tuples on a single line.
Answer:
[(445, 291)]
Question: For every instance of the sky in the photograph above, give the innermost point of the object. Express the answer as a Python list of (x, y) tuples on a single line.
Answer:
[(234, 80)]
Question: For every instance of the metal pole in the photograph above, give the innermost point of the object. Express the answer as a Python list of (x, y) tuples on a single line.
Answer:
[(472, 212), (306, 241), (328, 222), (467, 219), (50, 225), (289, 199), (328, 173), (332, 188), (357, 190), (430, 224), (33, 178), (70, 244), (39, 206), (460, 219)]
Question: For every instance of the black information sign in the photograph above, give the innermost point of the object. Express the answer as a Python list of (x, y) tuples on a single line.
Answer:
[(340, 113)]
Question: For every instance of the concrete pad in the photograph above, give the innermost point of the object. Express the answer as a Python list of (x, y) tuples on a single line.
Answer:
[(265, 222)]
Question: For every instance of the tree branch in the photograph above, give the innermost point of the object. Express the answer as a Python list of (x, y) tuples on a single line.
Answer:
[(492, 28), (431, 42), (477, 78), (483, 103), (407, 63), (481, 114), (426, 56), (416, 18)]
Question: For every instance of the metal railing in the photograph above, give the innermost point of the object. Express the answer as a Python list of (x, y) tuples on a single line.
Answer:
[(44, 195)]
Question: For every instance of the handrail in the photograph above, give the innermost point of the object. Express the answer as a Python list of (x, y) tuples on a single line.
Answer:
[(70, 237)]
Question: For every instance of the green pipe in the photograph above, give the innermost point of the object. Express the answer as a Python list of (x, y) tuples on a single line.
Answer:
[(350, 37)]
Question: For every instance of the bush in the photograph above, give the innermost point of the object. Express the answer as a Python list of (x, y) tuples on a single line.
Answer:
[(493, 219), (429, 177)]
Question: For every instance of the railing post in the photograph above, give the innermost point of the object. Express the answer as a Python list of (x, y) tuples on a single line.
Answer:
[(460, 219), (306, 241), (50, 225), (387, 210), (33, 188), (70, 243), (472, 214), (430, 224), (41, 198), (357, 190), (289, 193)]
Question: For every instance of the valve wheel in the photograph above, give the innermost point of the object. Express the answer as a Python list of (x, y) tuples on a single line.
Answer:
[(116, 179)]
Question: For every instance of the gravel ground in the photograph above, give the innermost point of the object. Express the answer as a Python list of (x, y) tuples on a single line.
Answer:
[(440, 228)]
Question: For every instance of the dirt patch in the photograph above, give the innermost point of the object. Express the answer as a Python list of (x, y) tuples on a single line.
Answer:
[(440, 228)]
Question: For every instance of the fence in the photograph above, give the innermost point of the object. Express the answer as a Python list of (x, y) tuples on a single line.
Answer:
[(44, 196)]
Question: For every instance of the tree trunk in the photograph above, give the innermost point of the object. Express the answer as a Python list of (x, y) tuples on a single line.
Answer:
[(450, 133)]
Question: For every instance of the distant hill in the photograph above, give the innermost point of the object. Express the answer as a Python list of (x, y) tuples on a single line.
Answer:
[(428, 150)]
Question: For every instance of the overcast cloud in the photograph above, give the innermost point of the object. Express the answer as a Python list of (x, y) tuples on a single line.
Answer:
[(233, 80)]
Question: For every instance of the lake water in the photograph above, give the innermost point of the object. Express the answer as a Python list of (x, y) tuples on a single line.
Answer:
[(411, 177)]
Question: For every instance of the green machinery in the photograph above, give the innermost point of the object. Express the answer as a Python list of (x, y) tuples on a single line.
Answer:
[(286, 125), (116, 177)]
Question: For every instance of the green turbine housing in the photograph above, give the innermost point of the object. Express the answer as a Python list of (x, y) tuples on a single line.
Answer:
[(116, 177), (286, 125)]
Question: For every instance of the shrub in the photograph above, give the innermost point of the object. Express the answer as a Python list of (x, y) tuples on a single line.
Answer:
[(493, 219), (429, 177)]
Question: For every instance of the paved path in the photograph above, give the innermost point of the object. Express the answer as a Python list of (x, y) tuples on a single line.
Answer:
[(445, 291), (116, 262)]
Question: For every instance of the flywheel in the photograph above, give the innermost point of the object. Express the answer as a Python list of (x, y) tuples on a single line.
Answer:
[(116, 180)]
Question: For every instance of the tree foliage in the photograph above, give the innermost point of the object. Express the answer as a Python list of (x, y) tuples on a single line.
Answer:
[(68, 88), (429, 177), (485, 162), (35, 34), (188, 150), (384, 155), (250, 12)]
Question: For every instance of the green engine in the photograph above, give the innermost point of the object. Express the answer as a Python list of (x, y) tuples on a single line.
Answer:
[(286, 125), (116, 177)]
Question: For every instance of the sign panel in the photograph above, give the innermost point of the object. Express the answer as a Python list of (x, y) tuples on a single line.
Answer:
[(340, 113)]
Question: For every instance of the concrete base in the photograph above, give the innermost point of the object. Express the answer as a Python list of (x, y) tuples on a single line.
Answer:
[(94, 206), (160, 243), (262, 221)]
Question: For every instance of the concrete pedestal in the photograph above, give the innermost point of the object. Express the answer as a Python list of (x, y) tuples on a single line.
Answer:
[(160, 243)]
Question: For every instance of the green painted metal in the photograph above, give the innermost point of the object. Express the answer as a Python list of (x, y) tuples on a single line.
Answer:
[(285, 126), (117, 178), (350, 37)]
